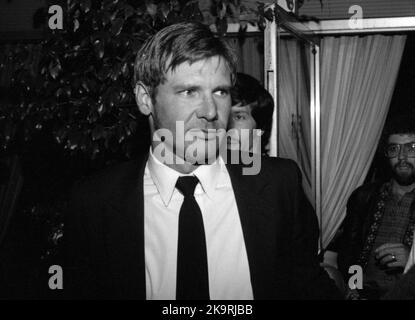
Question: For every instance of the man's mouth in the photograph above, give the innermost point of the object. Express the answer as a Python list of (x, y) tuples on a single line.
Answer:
[(404, 166), (231, 140), (204, 134)]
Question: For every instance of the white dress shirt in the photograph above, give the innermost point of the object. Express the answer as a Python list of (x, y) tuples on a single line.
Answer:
[(229, 276)]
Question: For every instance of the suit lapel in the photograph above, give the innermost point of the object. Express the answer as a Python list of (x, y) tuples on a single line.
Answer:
[(124, 233), (259, 226)]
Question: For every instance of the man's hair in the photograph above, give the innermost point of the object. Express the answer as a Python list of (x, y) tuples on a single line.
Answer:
[(248, 90), (403, 123), (178, 43)]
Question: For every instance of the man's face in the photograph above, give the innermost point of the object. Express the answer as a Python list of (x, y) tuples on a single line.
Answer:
[(403, 167), (198, 97), (240, 118)]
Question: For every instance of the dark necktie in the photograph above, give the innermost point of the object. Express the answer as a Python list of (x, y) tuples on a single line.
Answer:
[(192, 268)]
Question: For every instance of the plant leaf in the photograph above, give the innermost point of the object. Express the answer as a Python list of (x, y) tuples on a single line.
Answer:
[(99, 48), (117, 26), (128, 11), (151, 9), (55, 68), (98, 132), (86, 5)]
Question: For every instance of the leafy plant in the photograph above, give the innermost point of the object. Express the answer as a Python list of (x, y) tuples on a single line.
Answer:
[(77, 81), (81, 86)]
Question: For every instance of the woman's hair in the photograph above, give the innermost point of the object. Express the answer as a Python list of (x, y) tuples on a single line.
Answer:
[(248, 90)]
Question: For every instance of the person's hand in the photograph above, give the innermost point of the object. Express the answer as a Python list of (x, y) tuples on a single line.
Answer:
[(353, 294), (336, 276), (392, 255)]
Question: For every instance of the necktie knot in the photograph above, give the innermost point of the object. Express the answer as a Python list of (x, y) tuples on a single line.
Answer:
[(186, 185)]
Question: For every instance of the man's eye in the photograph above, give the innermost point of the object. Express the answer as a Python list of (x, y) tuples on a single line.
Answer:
[(222, 93), (188, 92), (239, 116), (393, 148)]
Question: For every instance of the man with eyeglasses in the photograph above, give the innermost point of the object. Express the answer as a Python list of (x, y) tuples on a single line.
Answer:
[(377, 232)]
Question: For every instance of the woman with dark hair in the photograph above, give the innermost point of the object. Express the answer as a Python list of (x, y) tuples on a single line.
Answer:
[(252, 108)]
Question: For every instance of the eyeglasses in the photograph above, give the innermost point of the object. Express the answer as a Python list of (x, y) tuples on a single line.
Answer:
[(393, 150)]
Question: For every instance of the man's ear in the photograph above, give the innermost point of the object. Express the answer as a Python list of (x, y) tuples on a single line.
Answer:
[(143, 99)]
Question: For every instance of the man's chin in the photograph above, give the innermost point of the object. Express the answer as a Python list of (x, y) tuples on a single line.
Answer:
[(200, 156), (203, 152), (404, 179), (201, 160)]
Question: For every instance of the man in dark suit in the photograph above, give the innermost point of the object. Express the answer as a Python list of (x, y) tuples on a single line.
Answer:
[(185, 221)]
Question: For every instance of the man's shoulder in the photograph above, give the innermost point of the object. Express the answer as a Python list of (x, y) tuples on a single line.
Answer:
[(281, 166), (109, 179), (367, 189), (268, 166), (365, 193), (280, 163)]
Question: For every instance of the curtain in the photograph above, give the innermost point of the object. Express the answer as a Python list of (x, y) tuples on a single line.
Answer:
[(250, 54), (252, 57), (294, 107), (358, 76)]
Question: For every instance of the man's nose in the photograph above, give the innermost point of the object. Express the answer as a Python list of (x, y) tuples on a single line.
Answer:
[(208, 110), (403, 154)]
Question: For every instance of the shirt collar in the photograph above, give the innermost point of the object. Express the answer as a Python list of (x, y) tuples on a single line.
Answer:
[(165, 178), (208, 176)]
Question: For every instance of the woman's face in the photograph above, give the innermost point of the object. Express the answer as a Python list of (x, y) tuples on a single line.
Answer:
[(242, 123)]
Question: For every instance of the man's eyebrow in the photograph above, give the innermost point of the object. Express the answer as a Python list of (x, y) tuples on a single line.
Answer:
[(396, 143), (239, 109), (224, 87), (185, 86)]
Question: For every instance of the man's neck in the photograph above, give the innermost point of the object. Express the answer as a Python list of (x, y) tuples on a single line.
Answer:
[(177, 163), (401, 190), (185, 168)]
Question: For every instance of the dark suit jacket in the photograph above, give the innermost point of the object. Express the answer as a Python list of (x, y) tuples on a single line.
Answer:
[(404, 289), (354, 230), (104, 234), (352, 233)]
